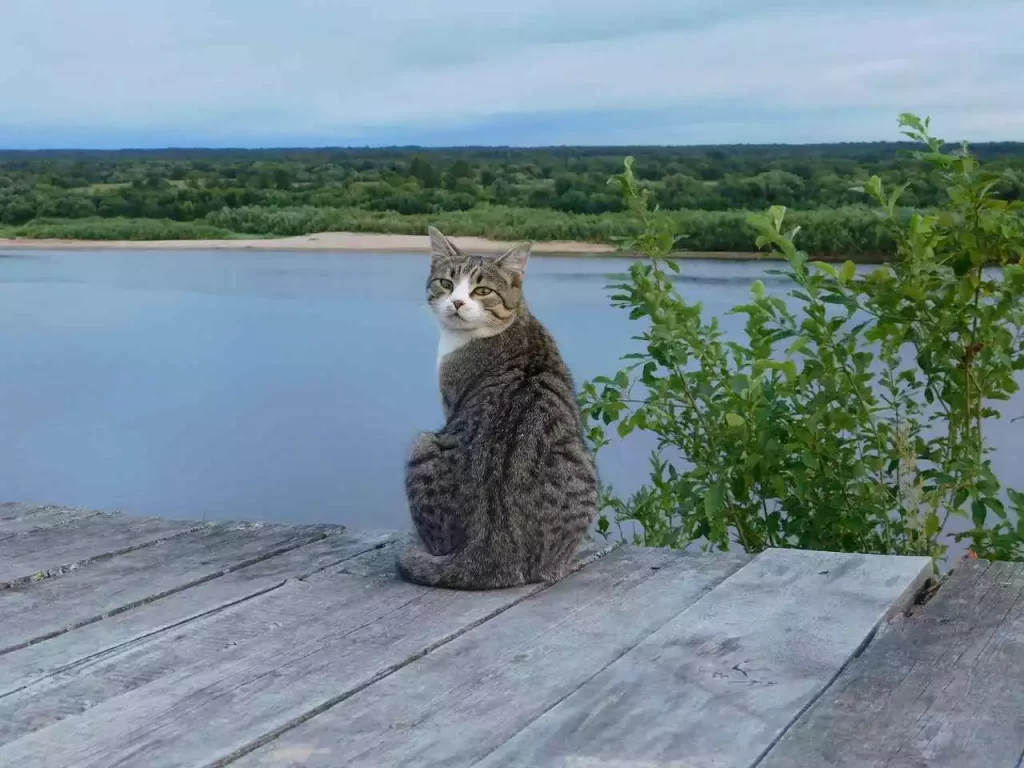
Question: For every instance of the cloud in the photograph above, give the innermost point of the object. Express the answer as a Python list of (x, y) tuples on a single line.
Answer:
[(117, 72)]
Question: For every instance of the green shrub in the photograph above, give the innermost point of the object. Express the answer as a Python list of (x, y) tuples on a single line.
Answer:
[(851, 417), (843, 231), (118, 229), (486, 221)]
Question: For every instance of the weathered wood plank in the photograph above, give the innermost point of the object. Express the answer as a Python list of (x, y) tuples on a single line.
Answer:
[(22, 518), (454, 706), (719, 683), (37, 610), (943, 688), (12, 509), (56, 550), (72, 650), (222, 683), (243, 634)]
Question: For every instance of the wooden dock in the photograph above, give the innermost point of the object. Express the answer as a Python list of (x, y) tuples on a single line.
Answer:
[(129, 641)]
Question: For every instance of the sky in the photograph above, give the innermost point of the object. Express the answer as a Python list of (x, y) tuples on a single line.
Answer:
[(252, 73)]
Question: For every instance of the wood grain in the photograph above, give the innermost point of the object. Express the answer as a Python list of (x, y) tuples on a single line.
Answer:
[(37, 610), (73, 650), (23, 518), (718, 684), (55, 550), (224, 682), (454, 706), (943, 688), (9, 510), (132, 641)]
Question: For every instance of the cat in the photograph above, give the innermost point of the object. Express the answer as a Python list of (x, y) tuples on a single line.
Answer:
[(504, 493)]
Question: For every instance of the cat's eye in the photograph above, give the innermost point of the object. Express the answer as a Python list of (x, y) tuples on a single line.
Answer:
[(446, 284), (482, 290)]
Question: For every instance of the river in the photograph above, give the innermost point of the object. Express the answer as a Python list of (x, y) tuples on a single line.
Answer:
[(265, 385)]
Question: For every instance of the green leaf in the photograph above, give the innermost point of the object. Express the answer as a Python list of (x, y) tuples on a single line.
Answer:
[(714, 498), (647, 377), (978, 512), (824, 266), (757, 289), (849, 269), (734, 420), (960, 498), (739, 383), (874, 188), (798, 345), (1017, 500), (910, 120)]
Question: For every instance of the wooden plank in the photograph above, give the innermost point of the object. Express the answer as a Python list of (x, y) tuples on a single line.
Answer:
[(943, 688), (12, 509), (22, 518), (459, 703), (38, 610), (719, 683), (222, 683), (53, 551), (264, 626), (73, 650)]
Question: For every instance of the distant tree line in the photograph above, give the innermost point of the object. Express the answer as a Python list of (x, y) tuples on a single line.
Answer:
[(546, 193)]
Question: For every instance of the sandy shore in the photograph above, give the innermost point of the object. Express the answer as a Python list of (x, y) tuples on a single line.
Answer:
[(323, 241), (359, 241)]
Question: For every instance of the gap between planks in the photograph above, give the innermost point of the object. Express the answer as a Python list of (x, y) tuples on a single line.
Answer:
[(422, 652), (590, 553), (16, 519), (941, 687), (37, 662), (495, 681), (313, 538), (665, 700), (62, 569), (921, 592), (168, 679)]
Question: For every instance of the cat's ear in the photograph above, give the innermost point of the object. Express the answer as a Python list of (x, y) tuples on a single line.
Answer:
[(515, 258), (441, 247)]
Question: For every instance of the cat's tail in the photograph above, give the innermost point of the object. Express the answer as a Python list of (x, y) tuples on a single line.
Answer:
[(468, 568)]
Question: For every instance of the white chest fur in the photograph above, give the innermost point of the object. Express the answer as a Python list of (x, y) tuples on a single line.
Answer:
[(449, 342)]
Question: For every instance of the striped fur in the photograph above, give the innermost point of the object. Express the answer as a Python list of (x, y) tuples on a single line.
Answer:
[(503, 494)]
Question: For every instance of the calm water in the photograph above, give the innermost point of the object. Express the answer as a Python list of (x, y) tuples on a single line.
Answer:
[(259, 385)]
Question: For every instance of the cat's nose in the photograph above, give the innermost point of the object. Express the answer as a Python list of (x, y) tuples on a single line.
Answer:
[(457, 303)]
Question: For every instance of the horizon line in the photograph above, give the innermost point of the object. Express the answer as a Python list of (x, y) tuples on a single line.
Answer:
[(466, 147)]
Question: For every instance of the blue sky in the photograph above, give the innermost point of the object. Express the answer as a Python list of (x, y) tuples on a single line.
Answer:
[(154, 73)]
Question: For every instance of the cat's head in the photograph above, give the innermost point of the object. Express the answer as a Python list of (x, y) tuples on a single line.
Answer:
[(480, 295)]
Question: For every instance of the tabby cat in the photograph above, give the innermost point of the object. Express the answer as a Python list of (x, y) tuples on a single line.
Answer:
[(503, 494)]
